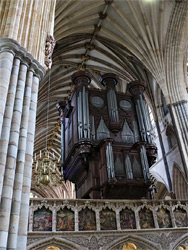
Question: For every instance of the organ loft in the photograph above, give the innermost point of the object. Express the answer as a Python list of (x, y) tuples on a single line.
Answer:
[(108, 149)]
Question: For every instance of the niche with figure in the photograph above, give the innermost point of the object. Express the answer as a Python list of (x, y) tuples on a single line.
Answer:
[(127, 219), (163, 216), (108, 219), (146, 218), (65, 220), (42, 220), (87, 220), (181, 217)]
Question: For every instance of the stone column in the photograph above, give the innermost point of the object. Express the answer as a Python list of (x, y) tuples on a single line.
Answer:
[(5, 133), (54, 216), (6, 62), (76, 228), (98, 219), (15, 210), (22, 73), (179, 115), (24, 210), (118, 219)]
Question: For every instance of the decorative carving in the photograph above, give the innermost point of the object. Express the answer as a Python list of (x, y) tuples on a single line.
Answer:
[(97, 101), (49, 48), (125, 105)]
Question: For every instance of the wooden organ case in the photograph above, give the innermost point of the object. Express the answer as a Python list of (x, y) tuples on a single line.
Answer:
[(107, 148)]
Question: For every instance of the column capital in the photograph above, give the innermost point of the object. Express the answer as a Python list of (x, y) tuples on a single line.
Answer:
[(12, 46)]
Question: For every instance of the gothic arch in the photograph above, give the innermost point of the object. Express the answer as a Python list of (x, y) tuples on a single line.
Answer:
[(180, 186), (55, 241), (138, 241), (180, 242)]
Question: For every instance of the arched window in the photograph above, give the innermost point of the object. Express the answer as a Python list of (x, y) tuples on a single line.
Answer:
[(171, 137), (151, 117)]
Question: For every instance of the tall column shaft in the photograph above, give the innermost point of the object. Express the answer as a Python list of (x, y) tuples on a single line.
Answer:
[(4, 139), (17, 121), (179, 115), (6, 61), (7, 191), (17, 192), (24, 211)]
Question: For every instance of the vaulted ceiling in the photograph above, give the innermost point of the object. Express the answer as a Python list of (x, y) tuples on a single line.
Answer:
[(126, 37)]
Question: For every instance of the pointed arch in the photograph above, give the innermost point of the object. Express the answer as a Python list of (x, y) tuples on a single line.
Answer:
[(56, 242), (180, 186), (181, 241), (138, 241)]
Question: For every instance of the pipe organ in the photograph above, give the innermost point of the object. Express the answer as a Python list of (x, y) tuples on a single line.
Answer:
[(107, 147)]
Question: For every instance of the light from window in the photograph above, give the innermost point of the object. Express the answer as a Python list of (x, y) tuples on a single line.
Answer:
[(151, 117)]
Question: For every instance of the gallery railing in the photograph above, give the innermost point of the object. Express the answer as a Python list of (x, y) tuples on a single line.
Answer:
[(95, 215)]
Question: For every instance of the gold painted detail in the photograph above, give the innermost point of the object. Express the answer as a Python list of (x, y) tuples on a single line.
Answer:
[(89, 46), (130, 246), (52, 248), (85, 58)]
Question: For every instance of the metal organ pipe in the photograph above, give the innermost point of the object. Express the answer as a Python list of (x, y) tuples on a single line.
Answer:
[(112, 106), (145, 118), (87, 115), (140, 121), (145, 165), (62, 136), (79, 116), (110, 161), (83, 114)]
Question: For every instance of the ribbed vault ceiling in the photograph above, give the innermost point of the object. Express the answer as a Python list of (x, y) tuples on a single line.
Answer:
[(120, 36)]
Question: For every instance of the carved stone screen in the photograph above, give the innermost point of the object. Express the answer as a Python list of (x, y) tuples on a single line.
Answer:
[(42, 220)]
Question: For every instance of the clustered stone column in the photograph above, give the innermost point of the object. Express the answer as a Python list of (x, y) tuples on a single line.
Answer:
[(19, 80), (179, 115)]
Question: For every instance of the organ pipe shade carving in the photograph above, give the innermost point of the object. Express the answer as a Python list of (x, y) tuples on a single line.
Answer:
[(97, 101)]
